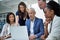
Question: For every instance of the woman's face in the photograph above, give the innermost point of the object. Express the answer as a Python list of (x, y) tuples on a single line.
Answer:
[(11, 18), (48, 13), (22, 8)]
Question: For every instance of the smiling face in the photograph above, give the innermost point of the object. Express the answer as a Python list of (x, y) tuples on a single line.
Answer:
[(31, 14), (48, 13)]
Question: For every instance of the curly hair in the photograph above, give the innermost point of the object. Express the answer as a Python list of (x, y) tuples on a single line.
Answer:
[(52, 5)]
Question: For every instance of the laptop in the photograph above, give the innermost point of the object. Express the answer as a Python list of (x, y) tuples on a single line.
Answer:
[(19, 33)]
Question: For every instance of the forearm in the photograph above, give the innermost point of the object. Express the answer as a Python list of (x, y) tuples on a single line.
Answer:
[(17, 19), (2, 38), (39, 34), (46, 31)]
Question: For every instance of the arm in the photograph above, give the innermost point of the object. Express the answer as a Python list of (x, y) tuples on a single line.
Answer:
[(3, 30), (27, 24), (2, 38), (41, 29), (17, 17), (46, 29)]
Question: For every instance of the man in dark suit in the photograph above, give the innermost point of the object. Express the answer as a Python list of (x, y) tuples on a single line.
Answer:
[(34, 25)]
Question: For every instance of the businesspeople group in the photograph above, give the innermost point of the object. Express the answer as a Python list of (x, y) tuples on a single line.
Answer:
[(36, 28)]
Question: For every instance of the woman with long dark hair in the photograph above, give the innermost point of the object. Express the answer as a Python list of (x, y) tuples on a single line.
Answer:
[(10, 22), (21, 14)]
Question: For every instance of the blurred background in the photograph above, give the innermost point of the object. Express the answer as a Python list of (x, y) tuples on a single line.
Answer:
[(12, 5)]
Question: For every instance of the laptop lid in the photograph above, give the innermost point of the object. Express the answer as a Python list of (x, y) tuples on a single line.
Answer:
[(19, 33)]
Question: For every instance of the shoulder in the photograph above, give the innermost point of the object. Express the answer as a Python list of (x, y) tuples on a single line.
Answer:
[(17, 13), (39, 19), (56, 19), (27, 20), (6, 24), (56, 22)]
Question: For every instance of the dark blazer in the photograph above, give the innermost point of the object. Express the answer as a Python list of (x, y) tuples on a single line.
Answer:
[(38, 27)]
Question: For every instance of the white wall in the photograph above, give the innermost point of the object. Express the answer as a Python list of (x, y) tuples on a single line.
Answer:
[(12, 5)]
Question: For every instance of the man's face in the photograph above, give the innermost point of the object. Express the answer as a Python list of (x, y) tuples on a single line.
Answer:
[(31, 14), (41, 4)]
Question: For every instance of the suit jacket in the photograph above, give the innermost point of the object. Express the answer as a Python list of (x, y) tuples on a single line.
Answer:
[(55, 30), (38, 27)]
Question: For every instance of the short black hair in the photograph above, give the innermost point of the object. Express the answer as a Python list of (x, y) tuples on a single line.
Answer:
[(7, 18), (52, 5)]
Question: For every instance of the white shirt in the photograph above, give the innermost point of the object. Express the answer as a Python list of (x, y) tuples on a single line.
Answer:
[(6, 29), (31, 27), (55, 30)]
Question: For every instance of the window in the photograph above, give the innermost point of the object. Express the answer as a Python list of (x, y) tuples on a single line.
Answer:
[(2, 20)]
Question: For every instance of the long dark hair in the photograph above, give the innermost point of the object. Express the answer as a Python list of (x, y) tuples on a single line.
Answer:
[(52, 5), (22, 14), (23, 4), (7, 18)]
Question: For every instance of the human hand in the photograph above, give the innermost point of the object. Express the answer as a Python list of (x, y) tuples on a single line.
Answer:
[(8, 36), (43, 37), (32, 37)]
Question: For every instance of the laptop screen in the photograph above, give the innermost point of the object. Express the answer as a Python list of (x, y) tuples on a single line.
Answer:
[(19, 33)]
